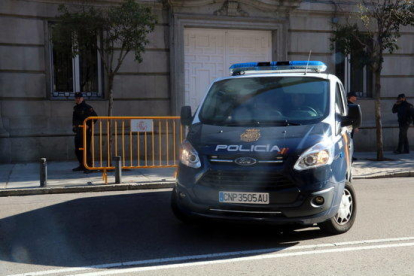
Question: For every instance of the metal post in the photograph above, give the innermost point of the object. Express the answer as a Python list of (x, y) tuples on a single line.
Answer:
[(118, 170), (43, 172)]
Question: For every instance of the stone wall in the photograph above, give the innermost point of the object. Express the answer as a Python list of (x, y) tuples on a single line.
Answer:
[(32, 125), (310, 29)]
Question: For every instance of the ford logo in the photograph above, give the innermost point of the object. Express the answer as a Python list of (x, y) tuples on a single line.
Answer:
[(245, 161)]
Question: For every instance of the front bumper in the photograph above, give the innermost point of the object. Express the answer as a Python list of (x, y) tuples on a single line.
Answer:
[(301, 210)]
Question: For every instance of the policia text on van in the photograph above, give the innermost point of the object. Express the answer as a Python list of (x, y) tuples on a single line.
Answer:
[(270, 144)]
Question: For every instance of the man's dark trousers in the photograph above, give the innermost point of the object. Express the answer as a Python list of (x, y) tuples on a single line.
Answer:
[(79, 144), (403, 139)]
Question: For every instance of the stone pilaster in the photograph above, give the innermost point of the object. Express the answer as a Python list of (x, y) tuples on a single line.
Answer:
[(3, 132)]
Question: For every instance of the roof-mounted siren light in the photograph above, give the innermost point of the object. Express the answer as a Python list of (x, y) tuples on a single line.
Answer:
[(315, 66)]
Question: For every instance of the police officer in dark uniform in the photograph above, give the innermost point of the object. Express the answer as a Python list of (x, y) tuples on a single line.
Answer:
[(81, 111), (404, 111), (352, 98)]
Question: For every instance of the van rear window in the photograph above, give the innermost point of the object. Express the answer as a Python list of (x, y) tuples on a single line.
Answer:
[(266, 101)]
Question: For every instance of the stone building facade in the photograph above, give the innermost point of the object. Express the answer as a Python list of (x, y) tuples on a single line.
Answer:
[(194, 42)]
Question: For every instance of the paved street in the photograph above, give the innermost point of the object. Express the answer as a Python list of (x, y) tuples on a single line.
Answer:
[(135, 233)]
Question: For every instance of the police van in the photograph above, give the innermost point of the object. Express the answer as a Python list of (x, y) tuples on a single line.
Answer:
[(270, 144)]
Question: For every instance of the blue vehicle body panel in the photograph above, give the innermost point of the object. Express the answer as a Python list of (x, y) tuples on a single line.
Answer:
[(291, 192)]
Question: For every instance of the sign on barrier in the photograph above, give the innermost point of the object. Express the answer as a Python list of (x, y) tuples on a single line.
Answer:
[(141, 125)]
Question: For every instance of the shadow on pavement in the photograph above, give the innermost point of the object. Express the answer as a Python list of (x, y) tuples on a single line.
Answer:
[(121, 228)]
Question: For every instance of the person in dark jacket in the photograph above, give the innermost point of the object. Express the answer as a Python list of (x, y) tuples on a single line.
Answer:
[(404, 111), (81, 111), (352, 98)]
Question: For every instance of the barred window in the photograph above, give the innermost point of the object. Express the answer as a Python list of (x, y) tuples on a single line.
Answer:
[(82, 73), (354, 78)]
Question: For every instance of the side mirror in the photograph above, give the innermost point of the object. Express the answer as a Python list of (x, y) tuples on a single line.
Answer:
[(186, 117), (354, 116)]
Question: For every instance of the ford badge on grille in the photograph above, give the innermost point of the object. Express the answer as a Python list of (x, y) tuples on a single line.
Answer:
[(245, 161)]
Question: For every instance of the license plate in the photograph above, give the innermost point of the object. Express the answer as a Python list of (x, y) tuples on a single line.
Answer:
[(240, 197)]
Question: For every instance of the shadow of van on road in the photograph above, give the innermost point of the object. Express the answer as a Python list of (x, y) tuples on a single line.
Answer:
[(121, 228)]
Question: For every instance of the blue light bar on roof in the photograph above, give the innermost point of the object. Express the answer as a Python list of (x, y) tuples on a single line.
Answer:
[(315, 66)]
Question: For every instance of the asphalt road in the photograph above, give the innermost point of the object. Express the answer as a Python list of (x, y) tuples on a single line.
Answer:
[(135, 233)]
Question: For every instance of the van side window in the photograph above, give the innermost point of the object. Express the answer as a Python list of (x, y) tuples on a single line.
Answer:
[(339, 102)]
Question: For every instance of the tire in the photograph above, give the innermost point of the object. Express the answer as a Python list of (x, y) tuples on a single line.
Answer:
[(344, 219), (180, 215)]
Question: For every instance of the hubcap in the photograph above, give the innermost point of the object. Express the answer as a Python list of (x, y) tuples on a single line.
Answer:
[(345, 209)]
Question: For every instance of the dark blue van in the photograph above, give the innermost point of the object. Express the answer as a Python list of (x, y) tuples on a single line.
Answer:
[(270, 144)]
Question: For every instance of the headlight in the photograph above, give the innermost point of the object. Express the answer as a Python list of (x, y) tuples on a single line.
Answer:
[(189, 155), (319, 155)]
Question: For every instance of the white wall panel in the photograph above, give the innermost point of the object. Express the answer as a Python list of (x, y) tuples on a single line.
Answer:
[(210, 52)]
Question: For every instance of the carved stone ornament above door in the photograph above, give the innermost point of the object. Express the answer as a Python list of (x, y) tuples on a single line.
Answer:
[(232, 7)]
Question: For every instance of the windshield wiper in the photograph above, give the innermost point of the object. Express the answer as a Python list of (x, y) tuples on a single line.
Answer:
[(290, 123), (242, 123), (280, 123), (260, 123), (256, 123)]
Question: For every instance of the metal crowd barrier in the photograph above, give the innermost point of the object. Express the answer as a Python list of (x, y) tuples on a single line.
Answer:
[(142, 142)]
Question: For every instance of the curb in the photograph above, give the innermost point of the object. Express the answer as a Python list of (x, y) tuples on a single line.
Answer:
[(388, 175), (142, 186), (87, 189)]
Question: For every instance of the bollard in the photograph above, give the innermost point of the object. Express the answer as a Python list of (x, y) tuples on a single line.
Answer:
[(118, 170), (43, 172)]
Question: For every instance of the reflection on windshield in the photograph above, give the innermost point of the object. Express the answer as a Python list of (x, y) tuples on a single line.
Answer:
[(266, 101)]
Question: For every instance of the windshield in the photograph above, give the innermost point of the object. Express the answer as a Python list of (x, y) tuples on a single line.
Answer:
[(266, 100)]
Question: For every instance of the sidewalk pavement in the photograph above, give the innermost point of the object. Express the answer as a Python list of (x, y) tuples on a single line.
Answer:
[(23, 179), (395, 165)]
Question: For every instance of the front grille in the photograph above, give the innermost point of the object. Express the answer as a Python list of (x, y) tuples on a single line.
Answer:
[(249, 179)]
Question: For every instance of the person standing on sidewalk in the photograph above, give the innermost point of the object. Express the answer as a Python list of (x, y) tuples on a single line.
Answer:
[(81, 111), (352, 98), (404, 111)]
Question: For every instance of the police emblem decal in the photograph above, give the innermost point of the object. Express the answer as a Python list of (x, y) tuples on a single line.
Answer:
[(250, 135)]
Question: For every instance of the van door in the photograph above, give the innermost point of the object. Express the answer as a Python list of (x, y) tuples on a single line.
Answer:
[(343, 132)]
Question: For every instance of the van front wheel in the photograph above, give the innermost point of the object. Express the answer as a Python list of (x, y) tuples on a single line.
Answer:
[(344, 219)]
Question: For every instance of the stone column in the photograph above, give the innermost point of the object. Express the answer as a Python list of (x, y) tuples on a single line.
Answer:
[(3, 132), (5, 143)]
